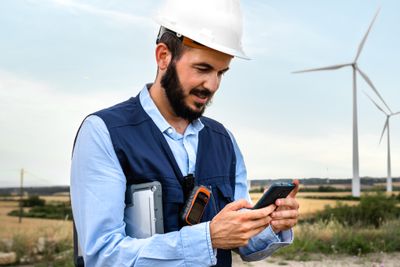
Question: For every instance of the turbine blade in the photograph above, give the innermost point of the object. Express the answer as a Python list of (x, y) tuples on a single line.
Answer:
[(369, 82), (394, 114), (333, 67), (376, 105), (384, 129), (360, 47)]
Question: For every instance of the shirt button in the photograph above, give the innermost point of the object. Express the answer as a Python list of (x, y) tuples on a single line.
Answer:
[(169, 131)]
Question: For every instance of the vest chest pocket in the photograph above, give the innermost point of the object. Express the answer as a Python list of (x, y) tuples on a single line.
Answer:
[(222, 195)]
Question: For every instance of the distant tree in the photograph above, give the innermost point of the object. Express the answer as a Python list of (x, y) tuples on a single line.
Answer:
[(33, 201), (328, 189), (259, 189)]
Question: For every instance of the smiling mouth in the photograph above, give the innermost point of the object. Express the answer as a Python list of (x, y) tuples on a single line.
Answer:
[(200, 100), (201, 97), (202, 94)]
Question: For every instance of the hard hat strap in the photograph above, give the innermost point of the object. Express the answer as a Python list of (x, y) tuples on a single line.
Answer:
[(164, 30)]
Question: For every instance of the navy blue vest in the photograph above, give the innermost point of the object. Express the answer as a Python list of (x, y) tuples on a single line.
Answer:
[(145, 156)]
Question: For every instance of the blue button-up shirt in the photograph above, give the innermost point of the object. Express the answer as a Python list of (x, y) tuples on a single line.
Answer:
[(98, 189)]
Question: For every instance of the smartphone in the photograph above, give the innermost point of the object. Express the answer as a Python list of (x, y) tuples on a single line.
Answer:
[(276, 191)]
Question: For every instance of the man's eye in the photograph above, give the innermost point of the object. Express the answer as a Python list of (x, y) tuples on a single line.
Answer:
[(202, 70)]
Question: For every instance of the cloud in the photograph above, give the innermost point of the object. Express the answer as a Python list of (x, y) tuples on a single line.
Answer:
[(38, 125), (289, 155), (117, 16), (271, 32)]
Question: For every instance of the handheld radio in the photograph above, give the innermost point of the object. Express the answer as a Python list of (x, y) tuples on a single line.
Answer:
[(195, 205)]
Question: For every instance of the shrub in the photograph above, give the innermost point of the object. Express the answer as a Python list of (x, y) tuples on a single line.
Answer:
[(391, 236), (53, 211), (323, 188), (257, 189), (376, 209), (333, 197), (22, 246), (373, 210), (44, 248), (33, 201), (331, 237), (328, 189)]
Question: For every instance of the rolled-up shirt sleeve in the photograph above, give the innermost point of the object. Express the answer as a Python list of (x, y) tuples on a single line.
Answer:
[(98, 187)]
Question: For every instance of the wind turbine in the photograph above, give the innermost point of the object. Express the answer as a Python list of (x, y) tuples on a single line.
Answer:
[(356, 68), (386, 127)]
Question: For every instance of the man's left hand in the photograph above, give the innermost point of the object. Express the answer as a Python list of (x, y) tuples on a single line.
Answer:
[(287, 213)]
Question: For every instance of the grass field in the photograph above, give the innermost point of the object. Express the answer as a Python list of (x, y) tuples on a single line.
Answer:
[(33, 227), (36, 226), (310, 206), (348, 186), (54, 198), (59, 228)]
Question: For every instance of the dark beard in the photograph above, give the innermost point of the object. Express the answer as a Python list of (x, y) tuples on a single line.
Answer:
[(174, 91)]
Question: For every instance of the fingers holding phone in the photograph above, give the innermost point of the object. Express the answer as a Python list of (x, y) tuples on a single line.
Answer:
[(296, 189), (287, 212), (275, 191), (290, 201), (235, 224)]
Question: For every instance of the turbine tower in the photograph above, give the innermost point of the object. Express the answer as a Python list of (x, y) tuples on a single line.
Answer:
[(386, 127), (356, 68)]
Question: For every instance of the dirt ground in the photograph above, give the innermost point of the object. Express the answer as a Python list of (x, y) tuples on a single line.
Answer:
[(317, 260)]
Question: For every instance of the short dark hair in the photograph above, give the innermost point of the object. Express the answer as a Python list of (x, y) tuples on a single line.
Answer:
[(172, 41)]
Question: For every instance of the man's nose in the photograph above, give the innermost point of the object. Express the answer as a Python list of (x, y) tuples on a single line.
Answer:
[(212, 82)]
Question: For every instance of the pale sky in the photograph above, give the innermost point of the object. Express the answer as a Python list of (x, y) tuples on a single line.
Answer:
[(60, 60)]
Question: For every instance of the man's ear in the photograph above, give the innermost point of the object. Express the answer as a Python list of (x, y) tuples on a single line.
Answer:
[(163, 56)]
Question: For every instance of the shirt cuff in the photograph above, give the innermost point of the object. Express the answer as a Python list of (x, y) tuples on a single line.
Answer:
[(265, 244), (197, 246)]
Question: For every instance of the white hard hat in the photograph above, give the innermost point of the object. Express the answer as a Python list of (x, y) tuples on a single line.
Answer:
[(216, 24)]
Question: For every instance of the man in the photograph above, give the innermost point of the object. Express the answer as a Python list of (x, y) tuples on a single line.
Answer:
[(161, 135)]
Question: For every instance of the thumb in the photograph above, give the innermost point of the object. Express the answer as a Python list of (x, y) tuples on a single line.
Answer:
[(296, 189)]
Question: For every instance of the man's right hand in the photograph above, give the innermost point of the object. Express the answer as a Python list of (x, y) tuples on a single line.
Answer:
[(233, 227)]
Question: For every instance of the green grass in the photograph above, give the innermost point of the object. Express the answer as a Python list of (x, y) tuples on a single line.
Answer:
[(370, 227), (373, 226), (50, 252), (334, 238), (372, 210)]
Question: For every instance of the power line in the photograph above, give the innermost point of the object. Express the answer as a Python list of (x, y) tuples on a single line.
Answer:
[(39, 177), (9, 170), (29, 174)]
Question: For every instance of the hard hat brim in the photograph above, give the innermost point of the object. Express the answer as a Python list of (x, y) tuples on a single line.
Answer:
[(226, 50)]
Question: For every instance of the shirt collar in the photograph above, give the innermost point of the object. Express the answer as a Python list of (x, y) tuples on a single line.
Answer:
[(151, 109)]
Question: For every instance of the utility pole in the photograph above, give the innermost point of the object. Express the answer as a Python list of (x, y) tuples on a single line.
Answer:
[(21, 194)]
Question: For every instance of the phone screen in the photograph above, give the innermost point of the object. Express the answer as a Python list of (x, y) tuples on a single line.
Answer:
[(276, 191)]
